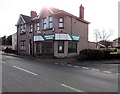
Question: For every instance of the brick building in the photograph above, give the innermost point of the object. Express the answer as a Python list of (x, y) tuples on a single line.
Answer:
[(53, 32), (116, 42)]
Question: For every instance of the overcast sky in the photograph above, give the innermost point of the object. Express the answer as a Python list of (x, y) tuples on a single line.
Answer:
[(102, 14)]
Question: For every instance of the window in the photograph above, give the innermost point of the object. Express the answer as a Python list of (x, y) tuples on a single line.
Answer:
[(31, 28), (23, 45), (38, 26), (44, 23), (60, 46), (61, 22), (24, 27), (37, 46), (50, 22), (72, 47), (21, 28)]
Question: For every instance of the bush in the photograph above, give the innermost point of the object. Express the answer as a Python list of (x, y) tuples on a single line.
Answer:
[(91, 54)]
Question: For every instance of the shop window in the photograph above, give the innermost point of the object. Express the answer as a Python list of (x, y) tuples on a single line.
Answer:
[(72, 47), (60, 46), (37, 47)]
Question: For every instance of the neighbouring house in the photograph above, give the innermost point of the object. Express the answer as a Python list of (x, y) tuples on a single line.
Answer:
[(92, 45), (14, 41), (116, 42), (53, 32)]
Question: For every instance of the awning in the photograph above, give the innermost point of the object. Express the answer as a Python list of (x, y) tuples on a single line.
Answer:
[(57, 37)]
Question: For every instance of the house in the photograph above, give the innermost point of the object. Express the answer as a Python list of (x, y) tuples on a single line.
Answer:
[(14, 41), (92, 45), (116, 42), (53, 32)]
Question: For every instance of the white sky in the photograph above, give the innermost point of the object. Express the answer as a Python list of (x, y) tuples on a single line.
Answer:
[(102, 14)]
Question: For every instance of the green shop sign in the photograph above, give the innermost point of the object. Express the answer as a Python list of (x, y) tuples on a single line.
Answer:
[(57, 37)]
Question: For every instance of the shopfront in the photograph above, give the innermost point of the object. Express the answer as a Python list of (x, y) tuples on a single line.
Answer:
[(58, 45)]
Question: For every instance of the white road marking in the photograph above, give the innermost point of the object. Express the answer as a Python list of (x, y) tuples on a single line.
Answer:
[(95, 70), (76, 66), (71, 88), (3, 62), (69, 65), (85, 68), (107, 71), (62, 64), (25, 70)]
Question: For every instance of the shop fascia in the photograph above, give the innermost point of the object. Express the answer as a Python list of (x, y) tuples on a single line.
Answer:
[(57, 37)]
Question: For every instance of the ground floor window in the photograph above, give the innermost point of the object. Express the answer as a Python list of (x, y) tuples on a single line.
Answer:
[(72, 47), (37, 47), (60, 46), (23, 45)]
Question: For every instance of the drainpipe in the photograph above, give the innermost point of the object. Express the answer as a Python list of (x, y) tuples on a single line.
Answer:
[(71, 24)]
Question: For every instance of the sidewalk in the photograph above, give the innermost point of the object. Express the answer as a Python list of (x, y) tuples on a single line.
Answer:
[(65, 60), (45, 59)]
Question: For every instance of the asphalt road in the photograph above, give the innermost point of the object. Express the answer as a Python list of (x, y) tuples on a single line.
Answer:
[(28, 75)]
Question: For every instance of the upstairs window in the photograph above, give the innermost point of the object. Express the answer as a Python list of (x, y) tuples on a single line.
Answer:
[(38, 26), (24, 27), (44, 23), (61, 22), (21, 28), (31, 28), (50, 22)]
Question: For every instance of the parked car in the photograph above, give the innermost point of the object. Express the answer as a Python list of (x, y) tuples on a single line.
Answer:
[(7, 49)]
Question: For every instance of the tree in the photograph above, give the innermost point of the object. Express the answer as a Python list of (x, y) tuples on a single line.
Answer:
[(9, 40), (4, 40), (103, 36)]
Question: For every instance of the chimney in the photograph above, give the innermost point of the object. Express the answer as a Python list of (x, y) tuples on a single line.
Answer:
[(33, 14), (81, 12)]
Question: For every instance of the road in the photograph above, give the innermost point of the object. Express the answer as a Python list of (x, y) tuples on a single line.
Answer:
[(28, 75)]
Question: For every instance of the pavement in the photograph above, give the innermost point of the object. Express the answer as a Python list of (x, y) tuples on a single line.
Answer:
[(66, 60)]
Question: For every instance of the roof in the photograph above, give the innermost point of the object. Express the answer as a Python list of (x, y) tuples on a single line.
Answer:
[(69, 14), (26, 18), (58, 11), (53, 11), (117, 39)]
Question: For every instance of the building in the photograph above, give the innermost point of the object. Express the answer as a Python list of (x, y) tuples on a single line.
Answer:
[(92, 45), (14, 41), (116, 42), (53, 32)]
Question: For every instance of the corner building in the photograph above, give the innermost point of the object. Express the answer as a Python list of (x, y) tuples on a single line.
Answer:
[(53, 32)]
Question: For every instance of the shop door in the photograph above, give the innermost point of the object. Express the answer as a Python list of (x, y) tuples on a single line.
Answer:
[(47, 48)]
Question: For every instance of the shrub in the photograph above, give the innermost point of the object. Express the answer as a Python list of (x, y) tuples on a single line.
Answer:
[(91, 54)]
